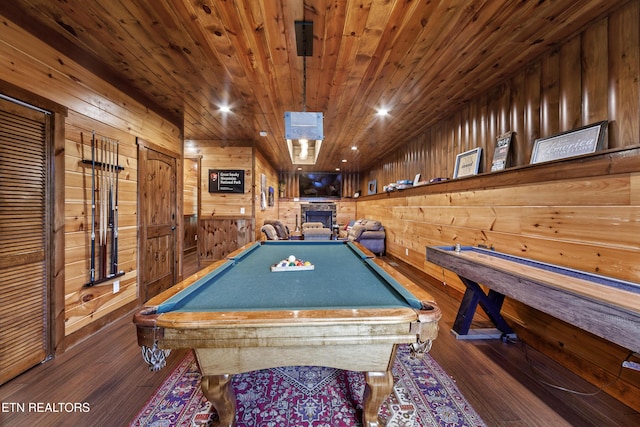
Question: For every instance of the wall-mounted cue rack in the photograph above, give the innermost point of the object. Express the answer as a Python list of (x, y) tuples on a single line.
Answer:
[(105, 169)]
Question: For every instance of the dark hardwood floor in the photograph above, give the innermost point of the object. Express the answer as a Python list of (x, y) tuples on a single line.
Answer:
[(107, 373)]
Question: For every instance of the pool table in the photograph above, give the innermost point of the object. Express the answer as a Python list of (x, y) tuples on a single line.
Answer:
[(349, 312)]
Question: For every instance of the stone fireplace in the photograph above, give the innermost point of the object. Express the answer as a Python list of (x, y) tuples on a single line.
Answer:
[(324, 217), (319, 212)]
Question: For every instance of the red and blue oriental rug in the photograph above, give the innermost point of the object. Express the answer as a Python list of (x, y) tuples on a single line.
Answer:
[(423, 395)]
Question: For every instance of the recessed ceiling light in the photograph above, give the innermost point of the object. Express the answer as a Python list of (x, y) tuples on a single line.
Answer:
[(383, 111), (354, 148), (344, 160), (225, 109)]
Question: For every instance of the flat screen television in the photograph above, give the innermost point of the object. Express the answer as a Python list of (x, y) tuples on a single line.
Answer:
[(320, 184)]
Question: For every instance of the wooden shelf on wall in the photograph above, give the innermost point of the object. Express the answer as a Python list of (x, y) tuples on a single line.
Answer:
[(606, 162)]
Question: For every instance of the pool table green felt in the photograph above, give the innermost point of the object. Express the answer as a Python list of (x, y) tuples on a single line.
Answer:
[(343, 278)]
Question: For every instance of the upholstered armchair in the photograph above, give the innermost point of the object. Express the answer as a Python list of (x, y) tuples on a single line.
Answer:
[(370, 234), (316, 231), (281, 229), (269, 232)]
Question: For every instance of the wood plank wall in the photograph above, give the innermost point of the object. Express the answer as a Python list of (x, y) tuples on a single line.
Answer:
[(219, 236), (579, 213), (30, 64), (190, 203), (584, 214), (262, 166), (191, 185), (222, 227), (591, 77), (230, 155), (81, 302)]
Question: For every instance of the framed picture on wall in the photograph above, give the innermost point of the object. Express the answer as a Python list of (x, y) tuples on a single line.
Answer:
[(467, 163), (501, 153), (263, 191), (372, 188), (583, 140)]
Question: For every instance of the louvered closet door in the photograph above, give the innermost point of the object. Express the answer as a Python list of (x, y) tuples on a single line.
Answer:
[(23, 239)]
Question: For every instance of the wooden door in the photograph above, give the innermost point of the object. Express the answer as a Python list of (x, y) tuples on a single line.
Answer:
[(24, 238), (157, 215)]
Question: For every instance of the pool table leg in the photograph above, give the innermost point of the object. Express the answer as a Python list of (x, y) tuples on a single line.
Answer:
[(217, 389), (378, 388)]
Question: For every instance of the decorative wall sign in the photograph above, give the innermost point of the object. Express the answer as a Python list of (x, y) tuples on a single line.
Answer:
[(372, 188), (263, 191), (501, 153), (271, 197), (467, 163), (584, 140), (226, 181)]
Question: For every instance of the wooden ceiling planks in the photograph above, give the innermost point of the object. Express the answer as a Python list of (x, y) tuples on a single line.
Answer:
[(422, 60), (237, 44)]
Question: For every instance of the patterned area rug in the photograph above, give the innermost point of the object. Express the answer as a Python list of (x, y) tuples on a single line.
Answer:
[(423, 395)]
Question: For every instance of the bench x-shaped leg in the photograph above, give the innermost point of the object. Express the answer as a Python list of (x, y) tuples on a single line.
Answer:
[(491, 303)]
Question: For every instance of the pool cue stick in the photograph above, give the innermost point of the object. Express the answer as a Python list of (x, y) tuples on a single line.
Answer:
[(92, 273), (111, 199), (108, 216), (103, 211), (99, 171), (108, 205), (114, 236), (99, 190)]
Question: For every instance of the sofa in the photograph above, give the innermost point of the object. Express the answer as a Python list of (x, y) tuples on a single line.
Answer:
[(316, 231), (369, 233)]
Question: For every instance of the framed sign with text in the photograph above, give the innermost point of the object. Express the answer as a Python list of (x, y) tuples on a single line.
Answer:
[(584, 140), (226, 181), (501, 153), (467, 163)]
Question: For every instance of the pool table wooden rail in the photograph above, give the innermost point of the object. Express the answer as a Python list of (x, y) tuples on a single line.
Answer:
[(610, 312), (286, 327), (274, 328)]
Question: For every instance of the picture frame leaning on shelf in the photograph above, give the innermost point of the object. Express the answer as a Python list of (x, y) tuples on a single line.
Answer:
[(467, 163), (584, 140), (501, 154)]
